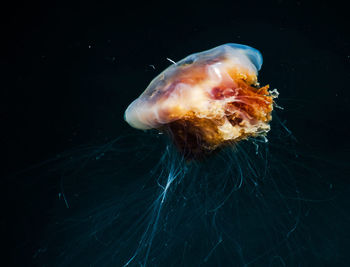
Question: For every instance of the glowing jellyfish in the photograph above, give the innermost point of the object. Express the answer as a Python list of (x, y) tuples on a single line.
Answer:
[(206, 100), (135, 201)]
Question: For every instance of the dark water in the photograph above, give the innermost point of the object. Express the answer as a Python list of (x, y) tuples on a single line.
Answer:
[(77, 179)]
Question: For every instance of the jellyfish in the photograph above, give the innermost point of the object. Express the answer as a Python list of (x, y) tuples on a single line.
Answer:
[(207, 100), (204, 102), (215, 193)]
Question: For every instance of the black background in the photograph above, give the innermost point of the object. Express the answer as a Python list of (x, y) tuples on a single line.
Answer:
[(69, 70)]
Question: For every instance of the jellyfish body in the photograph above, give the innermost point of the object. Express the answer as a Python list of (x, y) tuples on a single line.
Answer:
[(206, 100)]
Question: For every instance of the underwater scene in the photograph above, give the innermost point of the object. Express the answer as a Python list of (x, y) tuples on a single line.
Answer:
[(162, 134)]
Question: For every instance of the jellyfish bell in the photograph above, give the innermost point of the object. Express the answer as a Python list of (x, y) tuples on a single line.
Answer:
[(206, 100)]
